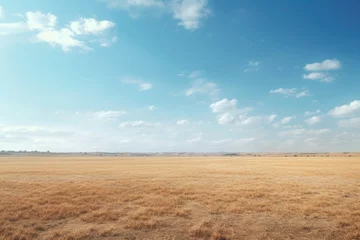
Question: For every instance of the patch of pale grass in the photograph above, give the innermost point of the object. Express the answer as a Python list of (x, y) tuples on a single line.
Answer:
[(219, 198)]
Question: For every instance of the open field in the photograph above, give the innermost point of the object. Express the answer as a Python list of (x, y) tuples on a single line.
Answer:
[(219, 198)]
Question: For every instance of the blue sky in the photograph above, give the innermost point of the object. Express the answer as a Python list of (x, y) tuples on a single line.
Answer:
[(179, 75)]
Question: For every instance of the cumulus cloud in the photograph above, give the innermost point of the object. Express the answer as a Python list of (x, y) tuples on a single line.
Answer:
[(228, 113), (286, 120), (151, 108), (224, 105), (190, 12), (326, 65), (77, 34), (40, 21), (322, 77), (63, 38), (142, 85), (317, 70), (85, 26), (107, 115), (313, 120), (345, 110), (350, 123)]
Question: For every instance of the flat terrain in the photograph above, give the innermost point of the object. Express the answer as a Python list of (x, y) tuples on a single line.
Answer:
[(220, 198)]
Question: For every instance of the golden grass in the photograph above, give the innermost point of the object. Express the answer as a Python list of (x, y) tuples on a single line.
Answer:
[(217, 198)]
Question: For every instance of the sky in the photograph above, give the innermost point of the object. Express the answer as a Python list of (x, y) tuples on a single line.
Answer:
[(180, 75)]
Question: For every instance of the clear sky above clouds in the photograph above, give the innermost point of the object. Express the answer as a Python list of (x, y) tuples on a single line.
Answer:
[(180, 75)]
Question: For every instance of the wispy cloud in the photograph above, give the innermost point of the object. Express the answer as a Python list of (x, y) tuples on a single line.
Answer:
[(309, 113), (350, 123), (286, 120), (188, 13), (313, 120), (201, 85), (142, 85), (252, 66), (107, 115), (139, 124), (290, 92), (182, 122)]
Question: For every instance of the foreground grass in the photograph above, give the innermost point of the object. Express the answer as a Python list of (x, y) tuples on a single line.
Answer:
[(179, 198)]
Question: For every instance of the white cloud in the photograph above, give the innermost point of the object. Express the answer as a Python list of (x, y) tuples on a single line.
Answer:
[(290, 92), (309, 113), (202, 86), (224, 105), (139, 124), (107, 115), (313, 120), (345, 110), (272, 117), (131, 4), (226, 118), (286, 120), (190, 12), (63, 38), (252, 66), (325, 65), (40, 21), (86, 26), (303, 93), (77, 35), (322, 77), (142, 85), (350, 123), (284, 91), (182, 122), (151, 108), (228, 113)]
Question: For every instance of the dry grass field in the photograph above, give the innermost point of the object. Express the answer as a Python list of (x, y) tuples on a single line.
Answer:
[(179, 198)]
